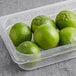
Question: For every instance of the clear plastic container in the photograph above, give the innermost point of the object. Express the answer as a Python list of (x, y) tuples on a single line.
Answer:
[(51, 56)]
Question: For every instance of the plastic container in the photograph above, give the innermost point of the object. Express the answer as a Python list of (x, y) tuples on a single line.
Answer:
[(51, 56)]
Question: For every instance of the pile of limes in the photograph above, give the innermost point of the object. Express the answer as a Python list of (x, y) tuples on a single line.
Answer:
[(47, 33)]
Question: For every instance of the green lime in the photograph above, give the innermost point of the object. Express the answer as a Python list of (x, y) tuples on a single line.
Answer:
[(29, 47), (66, 18), (46, 37), (67, 35), (39, 20), (19, 33)]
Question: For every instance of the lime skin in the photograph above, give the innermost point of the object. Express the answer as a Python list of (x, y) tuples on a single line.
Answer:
[(67, 35), (19, 33), (66, 18), (39, 20), (28, 47), (46, 37)]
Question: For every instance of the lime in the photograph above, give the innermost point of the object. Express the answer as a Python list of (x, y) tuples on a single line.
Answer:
[(46, 37), (29, 47), (19, 33), (39, 20), (68, 35), (66, 18)]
